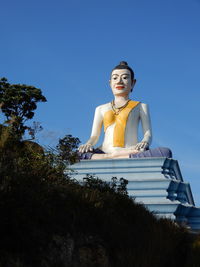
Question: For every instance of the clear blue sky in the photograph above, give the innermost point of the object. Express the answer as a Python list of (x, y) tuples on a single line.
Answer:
[(68, 48)]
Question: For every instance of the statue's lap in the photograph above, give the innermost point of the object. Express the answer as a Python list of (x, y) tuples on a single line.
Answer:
[(154, 152)]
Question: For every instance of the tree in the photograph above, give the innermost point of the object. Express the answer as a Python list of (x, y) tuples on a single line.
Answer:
[(18, 102), (67, 149)]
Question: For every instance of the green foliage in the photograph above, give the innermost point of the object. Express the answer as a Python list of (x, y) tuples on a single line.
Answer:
[(115, 186), (18, 102), (67, 149)]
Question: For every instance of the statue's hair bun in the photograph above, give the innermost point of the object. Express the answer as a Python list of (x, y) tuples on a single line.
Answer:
[(123, 63)]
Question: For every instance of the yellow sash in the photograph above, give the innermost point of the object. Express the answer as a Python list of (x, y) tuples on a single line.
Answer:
[(121, 119)]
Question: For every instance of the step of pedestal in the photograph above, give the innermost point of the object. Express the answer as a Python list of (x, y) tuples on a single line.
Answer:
[(131, 169), (172, 189), (166, 215), (194, 218)]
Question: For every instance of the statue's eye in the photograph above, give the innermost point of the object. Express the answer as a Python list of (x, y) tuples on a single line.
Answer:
[(125, 77)]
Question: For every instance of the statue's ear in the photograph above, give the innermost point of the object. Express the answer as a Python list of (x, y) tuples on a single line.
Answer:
[(133, 84)]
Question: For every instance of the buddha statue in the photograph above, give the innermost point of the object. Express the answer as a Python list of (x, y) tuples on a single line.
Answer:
[(120, 119)]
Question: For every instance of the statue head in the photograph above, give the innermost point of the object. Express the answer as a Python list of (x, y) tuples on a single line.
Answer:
[(122, 79)]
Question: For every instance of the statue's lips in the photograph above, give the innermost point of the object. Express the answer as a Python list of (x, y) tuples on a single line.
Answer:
[(120, 87)]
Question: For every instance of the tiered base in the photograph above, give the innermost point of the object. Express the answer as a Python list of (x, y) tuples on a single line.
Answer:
[(155, 182)]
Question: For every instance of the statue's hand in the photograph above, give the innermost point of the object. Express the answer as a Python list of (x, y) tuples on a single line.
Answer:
[(85, 148), (142, 146)]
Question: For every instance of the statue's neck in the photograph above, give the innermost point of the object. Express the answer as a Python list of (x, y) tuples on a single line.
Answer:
[(120, 100)]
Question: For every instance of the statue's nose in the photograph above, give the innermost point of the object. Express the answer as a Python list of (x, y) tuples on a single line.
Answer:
[(119, 80)]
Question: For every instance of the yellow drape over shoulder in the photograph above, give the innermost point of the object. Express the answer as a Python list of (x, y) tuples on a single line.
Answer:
[(121, 120)]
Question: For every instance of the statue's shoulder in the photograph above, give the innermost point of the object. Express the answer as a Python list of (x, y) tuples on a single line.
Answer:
[(104, 107), (143, 105), (144, 108), (137, 101), (140, 106)]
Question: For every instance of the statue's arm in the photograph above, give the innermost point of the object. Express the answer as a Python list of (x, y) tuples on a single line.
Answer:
[(96, 131), (146, 126)]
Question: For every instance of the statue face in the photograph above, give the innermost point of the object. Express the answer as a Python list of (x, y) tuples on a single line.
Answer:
[(121, 83)]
